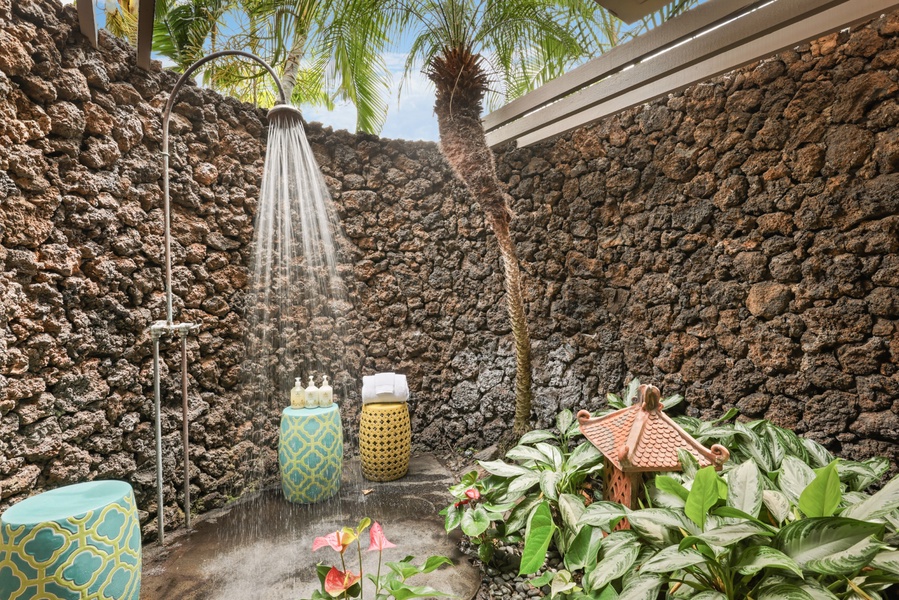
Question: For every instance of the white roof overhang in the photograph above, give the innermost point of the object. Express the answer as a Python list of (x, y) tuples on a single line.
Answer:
[(713, 38)]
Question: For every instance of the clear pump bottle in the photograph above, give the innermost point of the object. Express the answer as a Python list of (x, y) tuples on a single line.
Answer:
[(325, 394), (311, 393), (298, 394)]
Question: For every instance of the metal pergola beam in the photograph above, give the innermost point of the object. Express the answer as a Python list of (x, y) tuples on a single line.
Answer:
[(145, 15), (87, 20), (677, 29), (761, 33)]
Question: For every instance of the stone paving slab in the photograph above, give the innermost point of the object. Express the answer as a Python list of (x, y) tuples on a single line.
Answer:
[(261, 548)]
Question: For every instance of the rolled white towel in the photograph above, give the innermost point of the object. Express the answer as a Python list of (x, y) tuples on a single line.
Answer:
[(385, 387)]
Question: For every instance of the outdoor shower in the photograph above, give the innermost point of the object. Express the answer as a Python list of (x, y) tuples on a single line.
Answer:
[(283, 113)]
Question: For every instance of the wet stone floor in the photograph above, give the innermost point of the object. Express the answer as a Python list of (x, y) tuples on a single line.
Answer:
[(262, 548)]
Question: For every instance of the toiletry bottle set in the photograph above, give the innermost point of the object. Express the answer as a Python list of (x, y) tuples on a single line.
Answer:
[(312, 396)]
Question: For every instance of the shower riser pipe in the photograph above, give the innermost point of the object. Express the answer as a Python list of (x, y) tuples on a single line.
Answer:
[(156, 409), (184, 431), (160, 328)]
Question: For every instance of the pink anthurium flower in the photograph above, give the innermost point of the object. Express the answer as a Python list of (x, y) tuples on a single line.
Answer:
[(339, 540), (378, 541), (337, 582), (473, 493)]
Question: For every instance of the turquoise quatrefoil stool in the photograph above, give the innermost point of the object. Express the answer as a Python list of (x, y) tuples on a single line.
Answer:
[(78, 542), (310, 453)]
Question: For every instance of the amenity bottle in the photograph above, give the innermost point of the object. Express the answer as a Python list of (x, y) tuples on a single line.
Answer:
[(325, 394), (298, 394), (311, 394)]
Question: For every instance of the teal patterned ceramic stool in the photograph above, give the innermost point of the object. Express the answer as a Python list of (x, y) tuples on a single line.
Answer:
[(310, 453), (79, 542)]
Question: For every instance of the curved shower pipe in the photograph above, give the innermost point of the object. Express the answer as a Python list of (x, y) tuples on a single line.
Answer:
[(160, 328)]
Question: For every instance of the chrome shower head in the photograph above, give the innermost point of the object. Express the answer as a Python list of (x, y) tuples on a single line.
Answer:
[(285, 115)]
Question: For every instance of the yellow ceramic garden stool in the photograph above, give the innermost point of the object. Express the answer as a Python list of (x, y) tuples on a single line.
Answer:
[(385, 440)]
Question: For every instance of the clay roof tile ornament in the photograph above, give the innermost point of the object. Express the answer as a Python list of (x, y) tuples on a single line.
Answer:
[(643, 438)]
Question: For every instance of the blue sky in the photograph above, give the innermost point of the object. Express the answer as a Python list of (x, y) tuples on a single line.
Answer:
[(410, 116)]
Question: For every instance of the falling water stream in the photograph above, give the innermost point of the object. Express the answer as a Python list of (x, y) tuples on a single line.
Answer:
[(296, 306)]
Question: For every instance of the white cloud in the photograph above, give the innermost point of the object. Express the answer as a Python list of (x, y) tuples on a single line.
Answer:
[(410, 116)]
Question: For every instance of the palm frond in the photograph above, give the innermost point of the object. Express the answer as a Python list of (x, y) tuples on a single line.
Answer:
[(121, 20)]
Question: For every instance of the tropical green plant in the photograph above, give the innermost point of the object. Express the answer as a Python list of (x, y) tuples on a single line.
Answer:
[(343, 583), (536, 494), (324, 50), (743, 535), (783, 519)]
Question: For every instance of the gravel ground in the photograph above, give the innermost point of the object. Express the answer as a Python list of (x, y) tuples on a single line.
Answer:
[(500, 580)]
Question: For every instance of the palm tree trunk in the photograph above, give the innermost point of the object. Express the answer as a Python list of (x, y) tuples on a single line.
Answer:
[(460, 84), (292, 65)]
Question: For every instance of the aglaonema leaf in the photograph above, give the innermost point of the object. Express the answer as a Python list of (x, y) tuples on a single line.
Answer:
[(884, 501), (733, 533), (672, 486), (709, 595), (564, 420), (523, 483), (794, 477), (549, 481), (537, 435), (784, 591), (830, 545), (642, 587), (887, 561), (777, 504), (671, 559), (617, 560), (822, 496), (744, 488), (688, 463), (583, 550), (523, 453), (584, 456), (503, 469), (703, 495), (602, 514), (538, 535), (661, 527), (756, 558), (571, 508), (518, 518), (816, 590)]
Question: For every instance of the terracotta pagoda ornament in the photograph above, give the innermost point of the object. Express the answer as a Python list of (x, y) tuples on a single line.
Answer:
[(641, 439)]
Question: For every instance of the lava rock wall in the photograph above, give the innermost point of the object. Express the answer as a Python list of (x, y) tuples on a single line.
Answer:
[(737, 242), (81, 258)]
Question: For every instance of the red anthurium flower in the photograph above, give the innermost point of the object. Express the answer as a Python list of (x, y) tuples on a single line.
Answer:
[(378, 541), (473, 493), (338, 582), (339, 540)]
